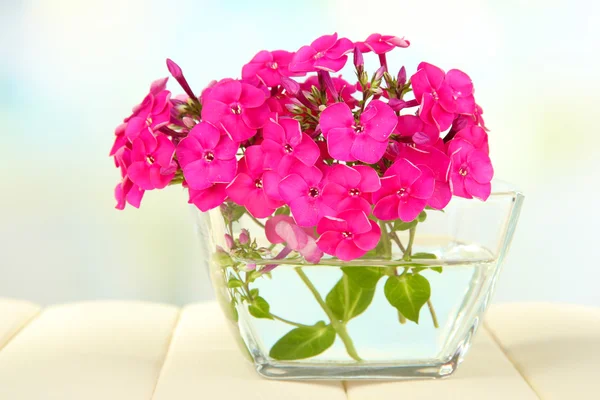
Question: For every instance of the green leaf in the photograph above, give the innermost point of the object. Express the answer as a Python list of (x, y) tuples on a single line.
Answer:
[(285, 210), (304, 342), (422, 216), (437, 269), (260, 308), (366, 277), (424, 256), (347, 299), (254, 292), (237, 212), (408, 293), (400, 225), (234, 283)]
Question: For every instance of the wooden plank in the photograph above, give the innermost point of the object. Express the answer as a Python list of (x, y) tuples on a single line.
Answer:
[(556, 347), (204, 362), (14, 316), (485, 374), (104, 350)]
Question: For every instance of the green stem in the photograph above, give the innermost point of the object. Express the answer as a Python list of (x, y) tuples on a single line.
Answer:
[(396, 239), (255, 220), (287, 321), (385, 240), (401, 318), (339, 327), (433, 314), (411, 240)]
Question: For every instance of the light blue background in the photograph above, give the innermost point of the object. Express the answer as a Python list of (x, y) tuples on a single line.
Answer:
[(71, 70)]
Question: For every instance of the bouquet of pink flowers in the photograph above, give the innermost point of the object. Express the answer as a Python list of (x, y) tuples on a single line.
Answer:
[(329, 161)]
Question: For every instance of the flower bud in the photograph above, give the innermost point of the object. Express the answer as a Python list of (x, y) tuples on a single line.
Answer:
[(229, 241), (177, 73), (290, 85), (401, 77), (359, 61), (174, 69), (244, 237), (379, 73), (188, 122)]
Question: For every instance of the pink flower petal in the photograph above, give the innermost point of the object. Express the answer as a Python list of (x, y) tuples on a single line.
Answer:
[(478, 190), (357, 221), (386, 209), (407, 171), (368, 241), (340, 48), (423, 187), (292, 234), (226, 92), (340, 143), (307, 151), (257, 204), (206, 134), (306, 213), (292, 187), (251, 97), (324, 42), (331, 224), (271, 181), (238, 189), (441, 196), (331, 65), (365, 149), (271, 233), (255, 118), (480, 166), (409, 210), (345, 176), (329, 241), (209, 198), (348, 251), (337, 115), (369, 180), (435, 75)]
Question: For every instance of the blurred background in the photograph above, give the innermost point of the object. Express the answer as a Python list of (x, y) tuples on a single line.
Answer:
[(71, 70)]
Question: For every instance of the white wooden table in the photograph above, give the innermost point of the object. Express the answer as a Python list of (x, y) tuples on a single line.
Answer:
[(143, 351)]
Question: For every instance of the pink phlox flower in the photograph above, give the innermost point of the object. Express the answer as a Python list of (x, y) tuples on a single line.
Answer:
[(126, 191), (471, 170), (413, 127), (348, 188), (238, 107), (344, 89), (283, 229), (302, 190), (405, 191), (255, 187), (366, 140), (207, 157), (327, 53), (151, 114), (120, 139), (349, 235), (462, 91), (380, 44), (438, 162), (152, 168), (476, 136), (209, 198), (435, 96), (284, 143), (268, 67)]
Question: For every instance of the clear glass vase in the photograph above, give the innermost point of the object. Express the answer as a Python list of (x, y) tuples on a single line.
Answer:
[(384, 316)]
